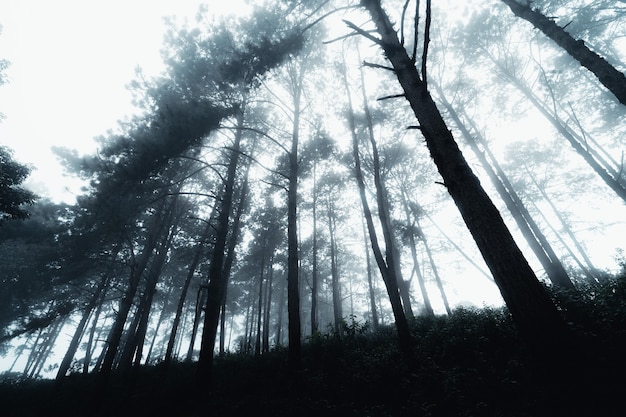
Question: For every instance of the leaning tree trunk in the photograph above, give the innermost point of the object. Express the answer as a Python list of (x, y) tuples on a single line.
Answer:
[(607, 173), (386, 267), (80, 329), (217, 280), (370, 284), (137, 331), (531, 308), (607, 74), (530, 230), (115, 334), (183, 295)]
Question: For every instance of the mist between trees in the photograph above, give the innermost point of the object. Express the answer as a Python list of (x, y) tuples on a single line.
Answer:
[(315, 168)]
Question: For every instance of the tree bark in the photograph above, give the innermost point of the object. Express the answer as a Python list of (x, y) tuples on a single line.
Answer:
[(370, 284), (217, 280), (529, 304), (334, 270), (615, 182), (386, 267), (80, 329), (268, 305), (607, 74), (183, 295), (413, 246), (314, 278), (530, 230), (293, 291), (137, 269)]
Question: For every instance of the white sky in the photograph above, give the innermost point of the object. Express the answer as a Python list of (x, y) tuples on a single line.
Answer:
[(70, 63)]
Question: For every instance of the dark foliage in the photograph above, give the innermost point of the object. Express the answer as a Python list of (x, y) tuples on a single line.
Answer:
[(12, 195), (469, 364)]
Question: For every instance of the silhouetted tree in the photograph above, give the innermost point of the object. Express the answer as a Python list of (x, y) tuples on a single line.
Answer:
[(539, 321), (13, 197)]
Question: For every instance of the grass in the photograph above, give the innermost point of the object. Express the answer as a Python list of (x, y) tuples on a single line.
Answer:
[(469, 364)]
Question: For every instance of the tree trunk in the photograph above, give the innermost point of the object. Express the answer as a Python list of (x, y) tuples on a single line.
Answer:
[(433, 266), (615, 182), (589, 270), (413, 246), (370, 284), (386, 267), (334, 271), (80, 329), (527, 225), (137, 269), (257, 344), (531, 308), (314, 278), (136, 333), (293, 291), (268, 305), (607, 74), (183, 295), (160, 321), (217, 280)]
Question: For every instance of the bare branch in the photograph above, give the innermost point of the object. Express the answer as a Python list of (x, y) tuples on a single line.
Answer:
[(378, 66), (265, 135), (253, 159), (426, 42), (273, 184), (219, 174), (406, 5), (416, 24), (390, 97), (362, 32), (324, 16), (340, 38)]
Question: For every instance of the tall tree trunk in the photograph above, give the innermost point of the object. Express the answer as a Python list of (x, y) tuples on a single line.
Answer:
[(137, 331), (530, 230), (160, 321), (268, 305), (314, 278), (223, 325), (80, 328), (386, 267), (607, 173), (370, 284), (137, 269), (257, 344), (433, 266), (232, 244), (465, 255), (217, 280), (334, 271), (392, 253), (95, 325), (590, 269), (200, 303), (531, 307), (293, 291), (607, 74), (413, 246), (183, 295), (279, 322), (44, 348)]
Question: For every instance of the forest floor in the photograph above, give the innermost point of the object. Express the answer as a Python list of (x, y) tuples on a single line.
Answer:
[(471, 363)]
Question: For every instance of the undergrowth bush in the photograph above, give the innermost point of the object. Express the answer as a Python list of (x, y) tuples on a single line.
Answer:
[(471, 363)]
